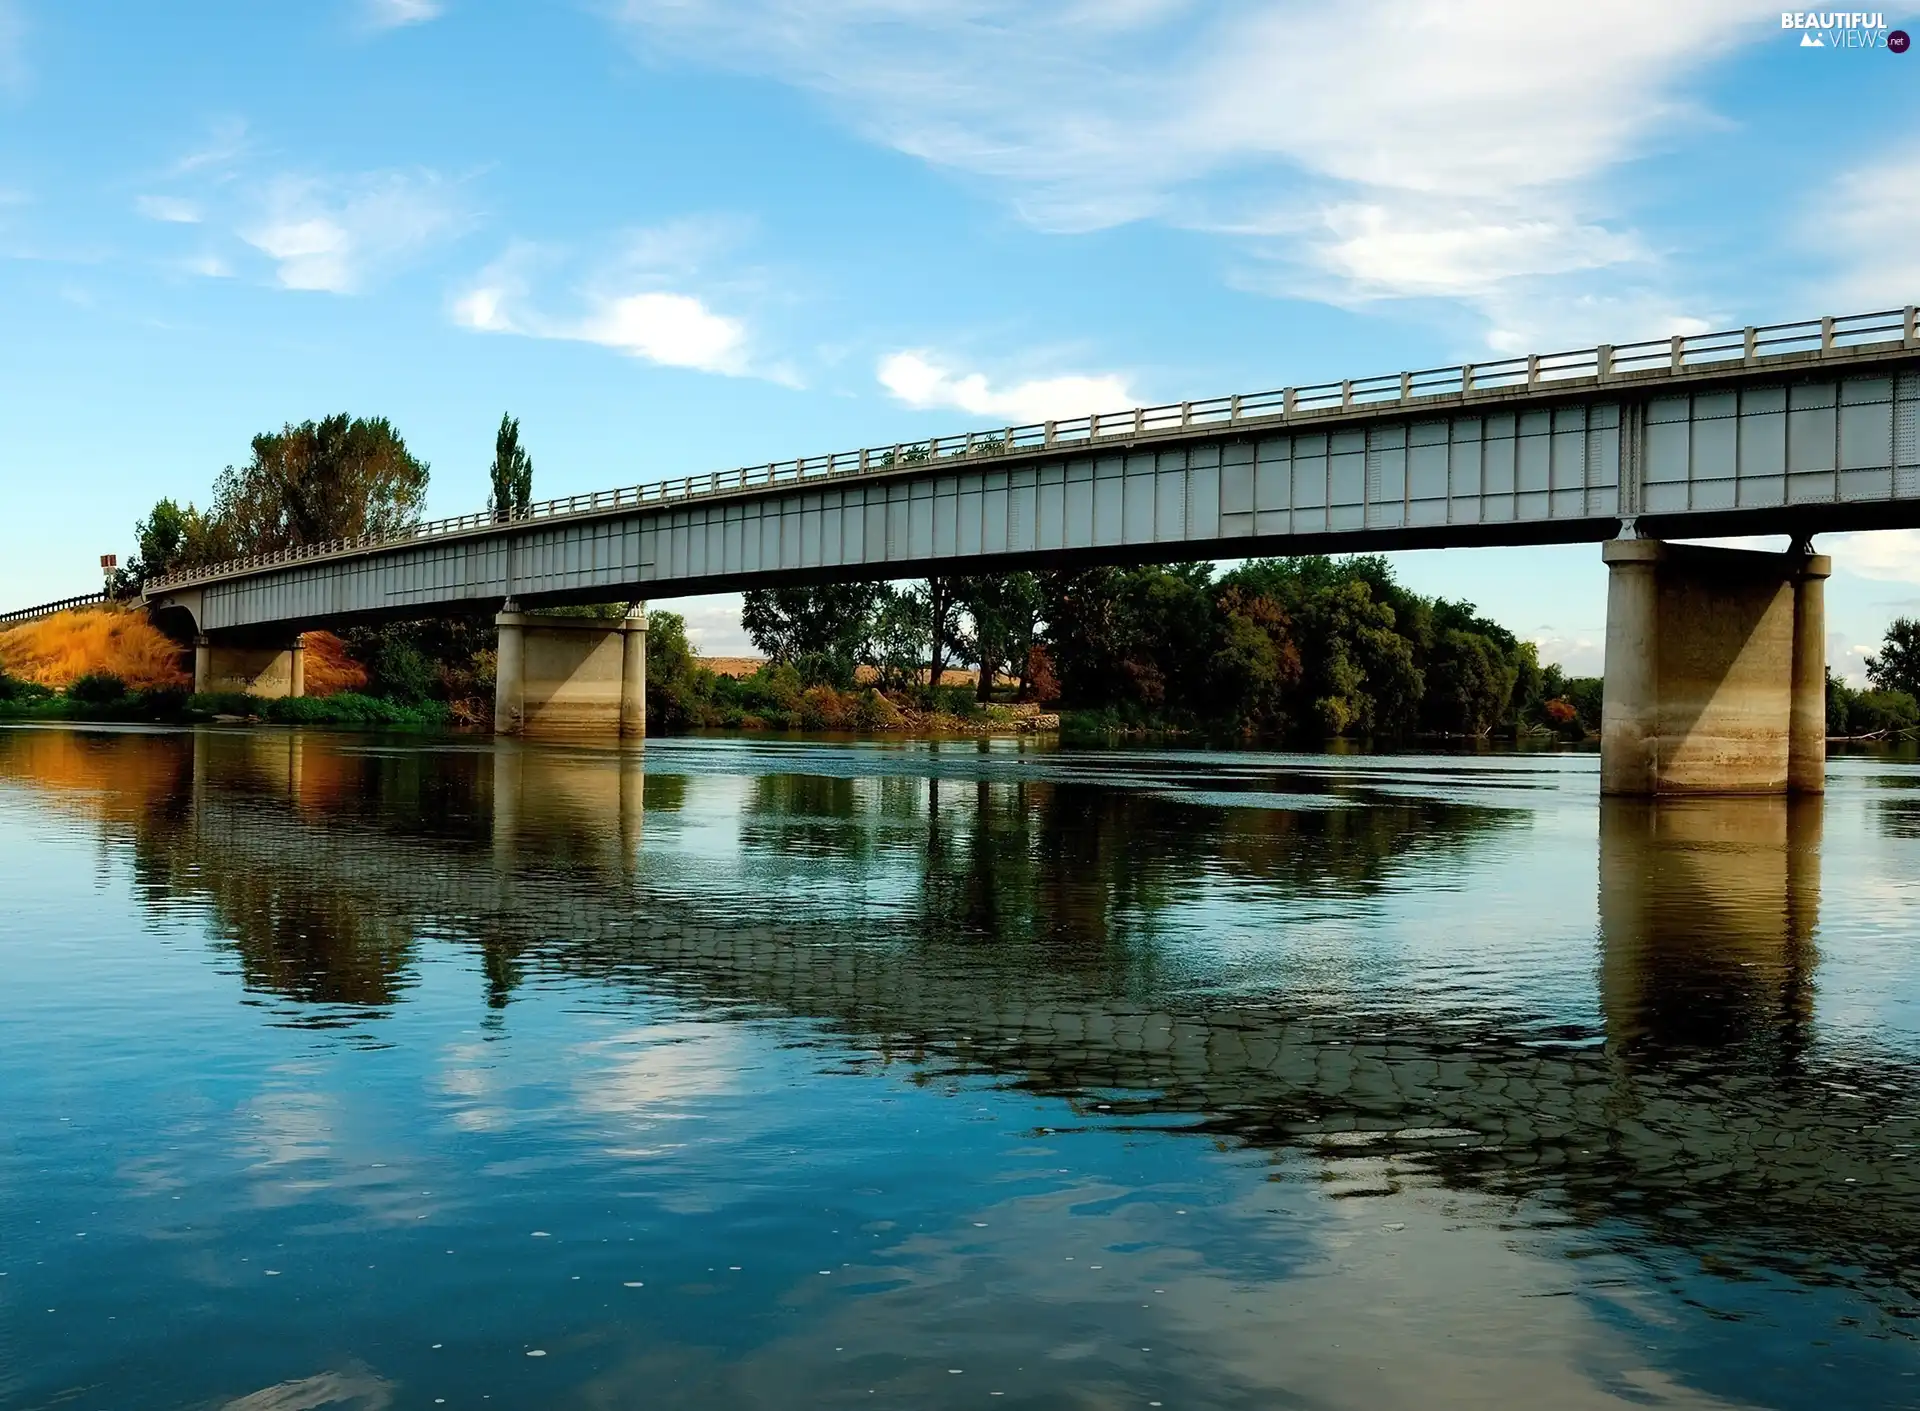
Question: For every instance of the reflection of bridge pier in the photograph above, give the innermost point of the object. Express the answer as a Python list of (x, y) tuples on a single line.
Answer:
[(551, 804), (1707, 915)]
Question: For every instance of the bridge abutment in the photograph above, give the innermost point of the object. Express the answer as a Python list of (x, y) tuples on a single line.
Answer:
[(570, 675), (1715, 670), (271, 670)]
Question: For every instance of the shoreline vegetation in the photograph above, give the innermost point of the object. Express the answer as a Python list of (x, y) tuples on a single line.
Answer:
[(1283, 651)]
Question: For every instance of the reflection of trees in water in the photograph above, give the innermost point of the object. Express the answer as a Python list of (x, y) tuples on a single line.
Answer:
[(1708, 1120)]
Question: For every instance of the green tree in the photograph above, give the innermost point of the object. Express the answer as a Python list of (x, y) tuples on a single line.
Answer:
[(1003, 610), (339, 478), (823, 632), (1896, 666), (511, 472)]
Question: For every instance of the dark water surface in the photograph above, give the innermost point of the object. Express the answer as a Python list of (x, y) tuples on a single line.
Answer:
[(344, 1072)]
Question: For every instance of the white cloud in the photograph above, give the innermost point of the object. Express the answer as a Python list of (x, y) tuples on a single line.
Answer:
[(673, 329), (916, 379), (1389, 148), (1866, 225), (1884, 555), (225, 144), (393, 14), (172, 209), (336, 236), (623, 304)]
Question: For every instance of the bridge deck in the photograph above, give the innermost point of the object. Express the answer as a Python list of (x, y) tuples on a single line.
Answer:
[(1798, 427)]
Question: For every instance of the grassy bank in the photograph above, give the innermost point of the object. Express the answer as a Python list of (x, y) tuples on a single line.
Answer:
[(107, 698)]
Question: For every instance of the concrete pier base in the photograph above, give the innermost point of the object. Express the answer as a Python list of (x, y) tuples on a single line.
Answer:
[(1716, 671), (570, 675), (271, 670)]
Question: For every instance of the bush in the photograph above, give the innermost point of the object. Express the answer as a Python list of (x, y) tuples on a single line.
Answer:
[(400, 672), (97, 688)]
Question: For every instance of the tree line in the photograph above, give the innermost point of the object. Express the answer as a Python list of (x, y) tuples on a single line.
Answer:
[(1292, 648)]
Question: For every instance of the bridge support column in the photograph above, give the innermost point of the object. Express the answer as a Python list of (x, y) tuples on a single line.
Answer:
[(633, 673), (271, 670), (570, 675), (1716, 671)]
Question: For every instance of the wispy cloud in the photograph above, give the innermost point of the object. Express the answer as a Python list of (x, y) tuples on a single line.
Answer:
[(336, 235), (919, 380), (174, 210), (635, 301), (1868, 228), (225, 144), (395, 14), (14, 74), (1381, 149)]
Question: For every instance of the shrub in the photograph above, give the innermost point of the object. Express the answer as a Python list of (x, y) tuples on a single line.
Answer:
[(97, 688), (400, 672)]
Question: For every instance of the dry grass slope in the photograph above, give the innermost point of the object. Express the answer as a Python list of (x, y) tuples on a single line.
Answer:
[(56, 651)]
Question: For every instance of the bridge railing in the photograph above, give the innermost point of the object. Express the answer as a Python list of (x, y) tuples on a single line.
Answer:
[(83, 600), (1650, 358)]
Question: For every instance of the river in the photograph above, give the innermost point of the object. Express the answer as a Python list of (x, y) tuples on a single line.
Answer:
[(366, 1072)]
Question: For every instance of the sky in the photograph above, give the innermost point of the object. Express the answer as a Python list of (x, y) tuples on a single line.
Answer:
[(684, 235)]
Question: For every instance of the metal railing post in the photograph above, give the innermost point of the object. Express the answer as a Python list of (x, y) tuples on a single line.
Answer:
[(1533, 369), (1603, 361), (1233, 402), (1406, 387), (1749, 343), (1677, 358), (1289, 401), (1910, 333), (1826, 334), (1466, 378), (1346, 395)]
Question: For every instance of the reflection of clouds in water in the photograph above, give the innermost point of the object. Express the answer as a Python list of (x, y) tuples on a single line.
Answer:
[(360, 1390), (641, 1079), (469, 1076), (283, 1126), (1103, 1292)]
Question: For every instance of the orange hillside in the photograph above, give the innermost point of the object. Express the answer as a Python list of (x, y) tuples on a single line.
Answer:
[(329, 668), (54, 651)]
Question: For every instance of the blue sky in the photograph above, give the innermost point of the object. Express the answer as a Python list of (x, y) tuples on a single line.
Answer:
[(673, 236)]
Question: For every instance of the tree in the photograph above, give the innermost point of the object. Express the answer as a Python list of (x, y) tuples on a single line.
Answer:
[(1003, 610), (339, 478), (511, 472), (823, 632), (1896, 667)]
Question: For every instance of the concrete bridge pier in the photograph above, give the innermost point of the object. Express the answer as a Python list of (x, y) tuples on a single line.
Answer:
[(272, 669), (1715, 670), (570, 675)]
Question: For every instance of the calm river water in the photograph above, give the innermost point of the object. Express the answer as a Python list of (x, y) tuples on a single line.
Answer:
[(350, 1072)]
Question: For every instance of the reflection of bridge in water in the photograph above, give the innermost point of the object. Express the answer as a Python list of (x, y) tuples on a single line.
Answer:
[(1706, 1108)]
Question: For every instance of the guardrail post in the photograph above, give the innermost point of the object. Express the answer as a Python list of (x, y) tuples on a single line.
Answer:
[(1047, 434), (1289, 402), (1750, 344), (1093, 425), (1911, 326), (1233, 402), (1186, 413), (1533, 369), (1139, 420), (1826, 334), (1603, 361), (1677, 356), (1406, 387), (1346, 396), (1466, 378)]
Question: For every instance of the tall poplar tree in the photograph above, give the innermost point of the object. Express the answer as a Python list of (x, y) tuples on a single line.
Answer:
[(512, 472)]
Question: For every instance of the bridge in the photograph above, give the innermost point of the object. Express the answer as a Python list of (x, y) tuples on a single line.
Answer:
[(1794, 1156), (1799, 428)]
